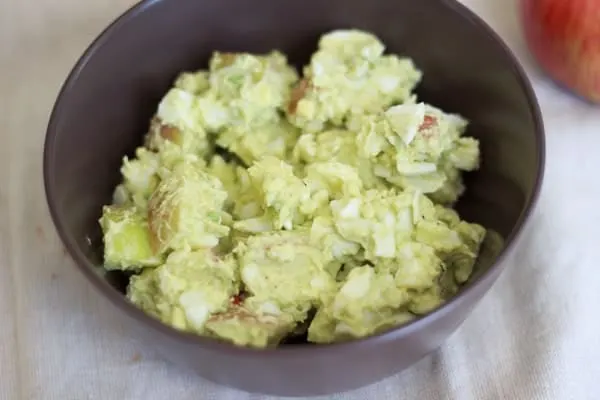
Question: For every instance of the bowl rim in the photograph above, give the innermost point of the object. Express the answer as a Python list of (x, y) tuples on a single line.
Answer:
[(86, 267)]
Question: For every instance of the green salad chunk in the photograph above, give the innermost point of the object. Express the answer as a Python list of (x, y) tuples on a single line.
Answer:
[(186, 210), (127, 239), (187, 289)]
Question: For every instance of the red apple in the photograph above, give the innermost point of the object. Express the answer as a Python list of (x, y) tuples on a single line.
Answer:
[(564, 37)]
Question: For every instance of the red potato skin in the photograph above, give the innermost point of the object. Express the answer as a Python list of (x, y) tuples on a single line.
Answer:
[(564, 37)]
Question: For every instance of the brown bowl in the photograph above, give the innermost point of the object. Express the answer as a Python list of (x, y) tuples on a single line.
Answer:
[(108, 99)]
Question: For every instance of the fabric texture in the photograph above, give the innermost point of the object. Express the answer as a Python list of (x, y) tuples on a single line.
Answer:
[(536, 335)]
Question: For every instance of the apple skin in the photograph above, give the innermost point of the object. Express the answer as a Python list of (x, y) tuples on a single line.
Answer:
[(564, 37)]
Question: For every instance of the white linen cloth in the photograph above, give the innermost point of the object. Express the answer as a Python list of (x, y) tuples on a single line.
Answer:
[(535, 336)]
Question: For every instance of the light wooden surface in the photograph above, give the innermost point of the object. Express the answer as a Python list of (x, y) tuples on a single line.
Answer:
[(536, 336)]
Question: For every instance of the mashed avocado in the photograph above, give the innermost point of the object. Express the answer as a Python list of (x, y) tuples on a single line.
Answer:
[(349, 74), (284, 273), (186, 209), (246, 327), (272, 197), (264, 204), (187, 289)]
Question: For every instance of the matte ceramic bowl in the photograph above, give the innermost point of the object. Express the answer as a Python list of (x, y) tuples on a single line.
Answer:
[(104, 108)]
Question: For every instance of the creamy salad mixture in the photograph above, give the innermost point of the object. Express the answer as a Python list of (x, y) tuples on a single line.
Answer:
[(266, 203)]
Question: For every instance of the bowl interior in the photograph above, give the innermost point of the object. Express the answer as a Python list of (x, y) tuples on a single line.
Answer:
[(106, 104)]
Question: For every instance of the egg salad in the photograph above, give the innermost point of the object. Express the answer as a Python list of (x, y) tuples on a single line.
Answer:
[(266, 203)]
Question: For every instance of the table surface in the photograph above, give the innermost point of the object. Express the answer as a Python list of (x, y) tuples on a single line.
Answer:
[(535, 336)]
